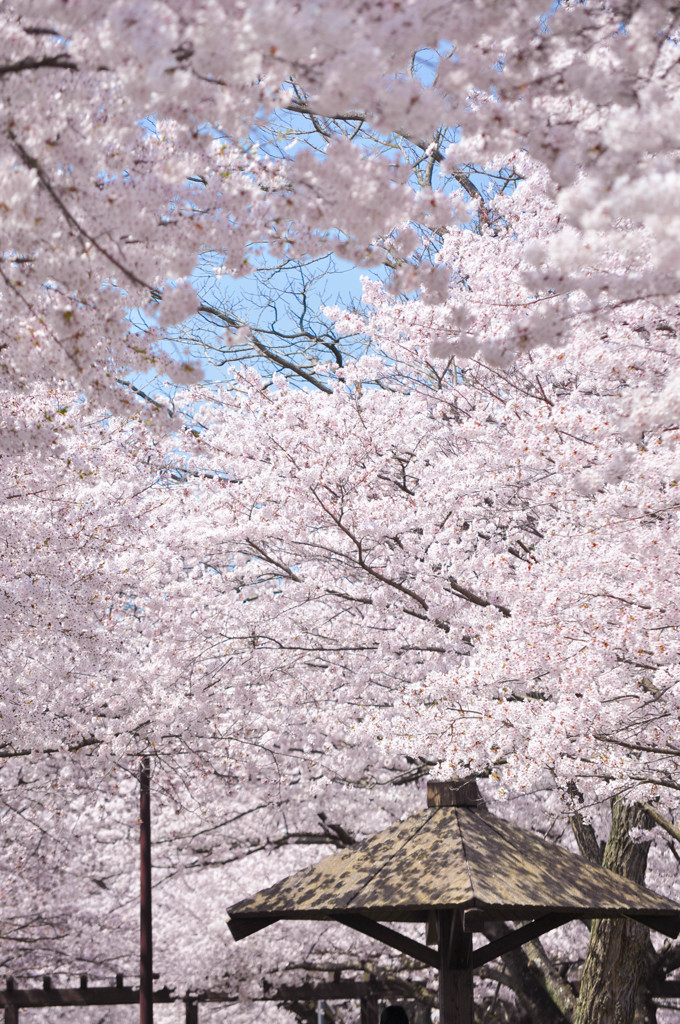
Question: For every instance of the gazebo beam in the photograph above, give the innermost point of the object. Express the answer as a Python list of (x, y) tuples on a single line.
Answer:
[(428, 955), (518, 937), (411, 947), (666, 925), (245, 926)]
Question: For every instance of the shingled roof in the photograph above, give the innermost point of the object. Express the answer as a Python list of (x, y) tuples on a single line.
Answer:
[(454, 858)]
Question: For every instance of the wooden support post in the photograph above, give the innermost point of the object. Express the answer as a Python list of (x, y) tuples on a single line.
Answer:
[(455, 970), (190, 1010), (11, 1012), (145, 938), (369, 1010)]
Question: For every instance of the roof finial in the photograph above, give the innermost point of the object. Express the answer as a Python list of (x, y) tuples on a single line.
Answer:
[(453, 793)]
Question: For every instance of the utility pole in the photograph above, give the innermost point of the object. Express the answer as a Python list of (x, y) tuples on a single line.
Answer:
[(145, 935)]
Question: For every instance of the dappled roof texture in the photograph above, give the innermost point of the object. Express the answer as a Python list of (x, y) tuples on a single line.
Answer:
[(447, 858)]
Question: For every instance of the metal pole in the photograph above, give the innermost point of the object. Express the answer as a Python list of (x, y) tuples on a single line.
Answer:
[(455, 970), (145, 943)]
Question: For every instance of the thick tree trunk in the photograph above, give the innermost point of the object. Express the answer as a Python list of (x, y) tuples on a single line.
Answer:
[(617, 962)]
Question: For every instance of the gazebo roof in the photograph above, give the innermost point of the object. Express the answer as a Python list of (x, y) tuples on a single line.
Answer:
[(454, 866), (454, 858)]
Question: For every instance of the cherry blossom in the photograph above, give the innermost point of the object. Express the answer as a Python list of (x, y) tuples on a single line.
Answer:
[(448, 545)]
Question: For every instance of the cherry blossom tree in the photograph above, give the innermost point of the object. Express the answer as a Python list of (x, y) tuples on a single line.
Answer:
[(434, 530), (402, 567), (158, 149)]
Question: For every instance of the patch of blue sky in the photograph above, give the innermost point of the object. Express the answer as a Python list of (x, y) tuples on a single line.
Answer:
[(283, 302)]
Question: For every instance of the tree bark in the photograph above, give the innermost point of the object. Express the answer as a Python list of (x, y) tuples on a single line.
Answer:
[(618, 956)]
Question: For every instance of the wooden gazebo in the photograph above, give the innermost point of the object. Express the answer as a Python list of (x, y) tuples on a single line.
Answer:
[(453, 867)]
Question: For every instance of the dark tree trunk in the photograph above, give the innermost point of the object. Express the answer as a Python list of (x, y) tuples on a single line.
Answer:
[(613, 989)]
